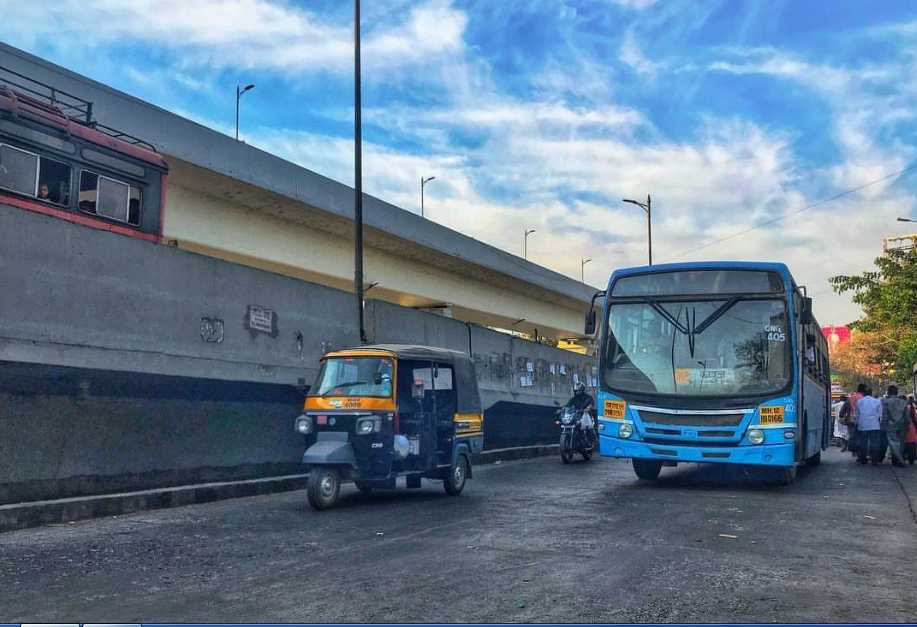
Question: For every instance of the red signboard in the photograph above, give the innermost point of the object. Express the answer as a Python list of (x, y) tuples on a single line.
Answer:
[(836, 336)]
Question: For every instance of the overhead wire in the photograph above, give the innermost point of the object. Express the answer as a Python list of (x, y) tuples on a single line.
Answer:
[(818, 203)]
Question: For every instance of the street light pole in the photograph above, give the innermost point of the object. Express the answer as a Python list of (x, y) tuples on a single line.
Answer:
[(239, 91), (525, 243), (582, 269), (423, 182), (648, 208), (357, 175)]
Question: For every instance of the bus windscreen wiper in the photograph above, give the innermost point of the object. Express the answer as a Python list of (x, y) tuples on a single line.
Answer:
[(691, 328)]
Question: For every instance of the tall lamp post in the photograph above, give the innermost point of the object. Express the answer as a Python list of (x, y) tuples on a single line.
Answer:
[(525, 243), (423, 182), (648, 208), (239, 91), (357, 175), (582, 269)]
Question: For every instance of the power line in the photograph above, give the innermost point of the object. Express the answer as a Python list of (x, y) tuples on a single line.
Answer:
[(798, 211)]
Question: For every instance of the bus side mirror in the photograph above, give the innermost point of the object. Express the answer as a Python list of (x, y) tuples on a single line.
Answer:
[(590, 322), (805, 314)]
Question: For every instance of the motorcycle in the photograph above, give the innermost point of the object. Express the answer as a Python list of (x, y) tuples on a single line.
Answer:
[(577, 434)]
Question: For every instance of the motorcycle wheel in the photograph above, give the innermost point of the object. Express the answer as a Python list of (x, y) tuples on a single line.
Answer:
[(566, 448)]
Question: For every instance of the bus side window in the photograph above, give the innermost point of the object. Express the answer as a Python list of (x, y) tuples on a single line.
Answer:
[(54, 182), (89, 191), (18, 170), (107, 197)]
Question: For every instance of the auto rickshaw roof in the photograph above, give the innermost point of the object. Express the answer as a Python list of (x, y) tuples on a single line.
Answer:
[(403, 351)]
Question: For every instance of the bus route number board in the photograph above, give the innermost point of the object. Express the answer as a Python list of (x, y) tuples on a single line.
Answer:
[(772, 415), (615, 409)]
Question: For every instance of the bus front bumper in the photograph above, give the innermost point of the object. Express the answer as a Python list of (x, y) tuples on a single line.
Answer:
[(761, 454)]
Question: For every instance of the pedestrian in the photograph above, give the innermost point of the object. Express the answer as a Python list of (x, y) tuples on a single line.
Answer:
[(895, 417), (841, 432), (853, 439), (870, 441), (910, 440)]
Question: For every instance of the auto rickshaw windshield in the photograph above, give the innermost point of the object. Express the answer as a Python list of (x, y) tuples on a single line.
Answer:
[(354, 376)]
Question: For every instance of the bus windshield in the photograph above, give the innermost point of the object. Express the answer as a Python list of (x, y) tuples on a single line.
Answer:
[(354, 376), (708, 348)]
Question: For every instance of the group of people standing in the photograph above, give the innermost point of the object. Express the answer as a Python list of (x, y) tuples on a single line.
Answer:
[(869, 427)]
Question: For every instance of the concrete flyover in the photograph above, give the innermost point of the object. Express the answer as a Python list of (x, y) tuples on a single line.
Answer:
[(233, 201)]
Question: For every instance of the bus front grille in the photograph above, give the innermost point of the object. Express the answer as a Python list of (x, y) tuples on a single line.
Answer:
[(694, 443), (696, 420)]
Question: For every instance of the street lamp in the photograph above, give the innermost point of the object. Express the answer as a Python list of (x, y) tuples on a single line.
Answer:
[(357, 175), (906, 220), (648, 208), (239, 92), (525, 243), (423, 182), (582, 269)]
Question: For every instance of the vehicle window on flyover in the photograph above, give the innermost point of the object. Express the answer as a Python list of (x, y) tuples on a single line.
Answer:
[(714, 348), (355, 376)]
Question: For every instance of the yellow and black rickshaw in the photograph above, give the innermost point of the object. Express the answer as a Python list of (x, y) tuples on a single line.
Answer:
[(385, 411)]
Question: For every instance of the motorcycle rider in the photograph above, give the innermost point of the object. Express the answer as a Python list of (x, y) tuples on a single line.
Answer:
[(581, 401)]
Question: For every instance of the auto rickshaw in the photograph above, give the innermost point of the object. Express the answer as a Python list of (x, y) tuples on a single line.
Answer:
[(385, 411)]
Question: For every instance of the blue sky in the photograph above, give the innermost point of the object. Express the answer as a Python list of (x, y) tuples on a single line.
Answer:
[(544, 114)]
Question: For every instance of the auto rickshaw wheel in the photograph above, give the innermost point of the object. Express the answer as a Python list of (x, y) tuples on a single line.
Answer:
[(458, 474), (324, 487)]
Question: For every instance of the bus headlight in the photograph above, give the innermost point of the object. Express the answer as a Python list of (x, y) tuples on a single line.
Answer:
[(625, 430), (755, 436), (365, 426), (304, 425)]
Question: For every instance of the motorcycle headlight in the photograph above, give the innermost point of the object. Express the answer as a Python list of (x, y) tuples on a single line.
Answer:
[(304, 425), (625, 430), (365, 426), (756, 436)]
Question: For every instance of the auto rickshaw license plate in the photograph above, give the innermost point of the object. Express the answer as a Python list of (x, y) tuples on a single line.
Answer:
[(772, 415)]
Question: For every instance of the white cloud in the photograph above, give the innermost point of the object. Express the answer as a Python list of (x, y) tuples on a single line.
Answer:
[(631, 54), (636, 5), (244, 33)]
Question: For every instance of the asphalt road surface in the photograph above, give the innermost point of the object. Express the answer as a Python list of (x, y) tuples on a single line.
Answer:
[(528, 541)]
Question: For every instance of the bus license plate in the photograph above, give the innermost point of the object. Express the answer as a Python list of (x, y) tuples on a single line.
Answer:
[(772, 415), (615, 409)]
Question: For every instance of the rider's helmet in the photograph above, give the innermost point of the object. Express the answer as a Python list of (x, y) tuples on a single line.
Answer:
[(579, 387)]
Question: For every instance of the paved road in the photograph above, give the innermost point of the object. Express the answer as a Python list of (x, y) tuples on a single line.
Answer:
[(528, 541)]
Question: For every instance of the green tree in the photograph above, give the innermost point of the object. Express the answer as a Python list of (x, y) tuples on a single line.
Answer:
[(888, 296)]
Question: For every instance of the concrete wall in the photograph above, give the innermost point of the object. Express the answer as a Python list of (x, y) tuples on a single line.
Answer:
[(80, 297), (110, 381)]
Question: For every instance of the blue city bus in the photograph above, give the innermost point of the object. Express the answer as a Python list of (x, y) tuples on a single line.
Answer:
[(718, 362)]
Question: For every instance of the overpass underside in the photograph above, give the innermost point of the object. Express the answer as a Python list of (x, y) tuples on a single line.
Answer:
[(222, 217)]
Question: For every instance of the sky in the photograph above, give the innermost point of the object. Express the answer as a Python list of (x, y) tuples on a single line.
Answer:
[(739, 118)]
